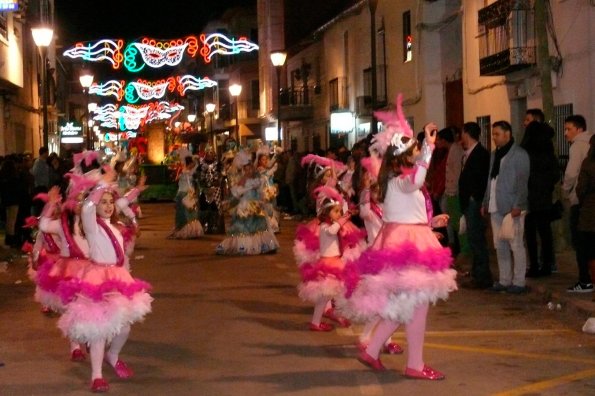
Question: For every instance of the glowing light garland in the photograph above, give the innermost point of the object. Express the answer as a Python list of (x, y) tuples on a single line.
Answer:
[(109, 50), (217, 43), (108, 88), (147, 90), (133, 116), (158, 53), (192, 83)]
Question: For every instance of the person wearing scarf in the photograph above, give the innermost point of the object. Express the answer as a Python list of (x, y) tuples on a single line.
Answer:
[(506, 194)]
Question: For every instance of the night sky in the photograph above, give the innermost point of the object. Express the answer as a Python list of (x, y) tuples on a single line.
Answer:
[(129, 19)]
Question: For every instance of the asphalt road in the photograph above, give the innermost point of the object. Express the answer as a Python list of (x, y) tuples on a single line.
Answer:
[(235, 326)]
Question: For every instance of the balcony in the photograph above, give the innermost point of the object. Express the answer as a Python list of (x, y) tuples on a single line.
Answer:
[(506, 37), (296, 104)]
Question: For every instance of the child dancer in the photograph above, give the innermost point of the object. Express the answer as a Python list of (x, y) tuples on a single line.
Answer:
[(187, 225), (322, 280), (370, 211), (405, 268), (103, 298)]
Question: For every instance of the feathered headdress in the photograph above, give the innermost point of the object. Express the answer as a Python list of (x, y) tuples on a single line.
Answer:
[(88, 156), (395, 128), (321, 164), (372, 165), (323, 192), (242, 158)]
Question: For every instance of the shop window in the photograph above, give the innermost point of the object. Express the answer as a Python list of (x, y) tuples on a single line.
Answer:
[(407, 37)]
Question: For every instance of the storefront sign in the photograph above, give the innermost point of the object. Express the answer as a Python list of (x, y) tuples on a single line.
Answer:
[(71, 133), (9, 5)]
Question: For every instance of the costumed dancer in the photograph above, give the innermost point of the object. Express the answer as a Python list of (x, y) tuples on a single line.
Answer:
[(74, 252), (209, 183), (370, 211), (103, 299), (406, 268), (322, 280), (266, 169), (187, 225), (306, 248), (248, 232)]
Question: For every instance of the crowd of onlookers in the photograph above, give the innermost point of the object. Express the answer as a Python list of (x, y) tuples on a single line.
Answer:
[(21, 178)]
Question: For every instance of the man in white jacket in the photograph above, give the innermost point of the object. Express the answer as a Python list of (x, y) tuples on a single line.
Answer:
[(575, 131)]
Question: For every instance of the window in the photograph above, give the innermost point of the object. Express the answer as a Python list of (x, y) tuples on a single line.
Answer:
[(561, 145), (485, 124), (407, 37), (333, 93)]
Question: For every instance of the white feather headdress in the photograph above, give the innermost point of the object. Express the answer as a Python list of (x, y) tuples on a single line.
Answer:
[(395, 128)]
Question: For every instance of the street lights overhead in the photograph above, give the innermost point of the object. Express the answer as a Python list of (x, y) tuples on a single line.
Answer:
[(278, 60), (191, 118), (42, 35), (235, 90), (86, 80)]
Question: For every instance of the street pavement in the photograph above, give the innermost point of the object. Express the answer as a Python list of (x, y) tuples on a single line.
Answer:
[(235, 326)]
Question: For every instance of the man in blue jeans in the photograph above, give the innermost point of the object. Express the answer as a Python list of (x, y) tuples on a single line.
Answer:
[(472, 186)]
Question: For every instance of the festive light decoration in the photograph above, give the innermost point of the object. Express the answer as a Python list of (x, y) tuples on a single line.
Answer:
[(108, 50), (147, 90), (158, 53), (108, 88), (217, 43), (132, 117), (192, 83)]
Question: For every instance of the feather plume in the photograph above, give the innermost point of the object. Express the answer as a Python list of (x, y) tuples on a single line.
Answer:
[(394, 123), (42, 197), (322, 161), (327, 192), (372, 165)]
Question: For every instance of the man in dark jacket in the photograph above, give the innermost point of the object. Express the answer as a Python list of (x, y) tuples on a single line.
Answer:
[(472, 186)]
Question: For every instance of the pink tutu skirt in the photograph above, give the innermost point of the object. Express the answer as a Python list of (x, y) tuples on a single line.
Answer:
[(404, 268), (100, 300), (306, 247), (46, 284), (321, 280)]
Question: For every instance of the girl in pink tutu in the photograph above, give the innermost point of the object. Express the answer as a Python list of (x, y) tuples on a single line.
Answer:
[(370, 211), (103, 299), (406, 268), (322, 280)]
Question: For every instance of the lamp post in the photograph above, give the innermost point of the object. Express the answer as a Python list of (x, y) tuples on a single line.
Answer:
[(86, 80), (42, 35), (211, 110), (278, 60), (235, 90)]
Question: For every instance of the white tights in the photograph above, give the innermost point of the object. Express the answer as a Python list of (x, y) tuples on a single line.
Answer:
[(98, 352)]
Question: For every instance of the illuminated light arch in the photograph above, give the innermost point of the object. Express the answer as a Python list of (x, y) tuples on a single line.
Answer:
[(109, 88), (188, 82), (147, 90), (107, 49), (217, 43)]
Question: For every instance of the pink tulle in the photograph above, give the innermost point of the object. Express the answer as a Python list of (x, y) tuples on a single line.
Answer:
[(69, 290), (309, 234), (326, 266)]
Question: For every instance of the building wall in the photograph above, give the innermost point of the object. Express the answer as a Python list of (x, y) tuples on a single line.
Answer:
[(504, 97)]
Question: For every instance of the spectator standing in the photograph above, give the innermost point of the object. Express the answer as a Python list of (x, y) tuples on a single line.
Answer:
[(506, 195), (585, 190), (575, 131), (533, 115), (543, 176), (472, 187), (9, 184), (41, 171), (55, 170)]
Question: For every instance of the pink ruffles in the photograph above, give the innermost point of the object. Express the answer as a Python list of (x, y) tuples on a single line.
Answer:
[(321, 280)]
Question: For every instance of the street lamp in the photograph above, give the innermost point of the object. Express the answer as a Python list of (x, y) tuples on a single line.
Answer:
[(86, 80), (278, 60), (191, 118), (42, 35), (211, 110), (235, 90)]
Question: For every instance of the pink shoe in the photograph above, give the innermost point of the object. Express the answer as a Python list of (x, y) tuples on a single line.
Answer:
[(77, 355), (369, 361), (427, 373), (321, 327), (392, 348), (330, 314), (122, 370), (99, 385)]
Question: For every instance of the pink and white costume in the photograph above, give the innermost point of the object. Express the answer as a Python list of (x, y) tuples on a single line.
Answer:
[(102, 297)]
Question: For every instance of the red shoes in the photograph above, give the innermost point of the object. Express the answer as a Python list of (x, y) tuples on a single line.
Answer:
[(392, 348), (122, 370), (426, 373), (77, 355), (369, 361), (330, 314), (321, 327), (99, 385)]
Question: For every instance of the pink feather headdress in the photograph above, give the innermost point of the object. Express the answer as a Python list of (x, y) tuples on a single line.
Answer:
[(322, 163), (372, 165), (395, 128), (88, 156), (324, 192)]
